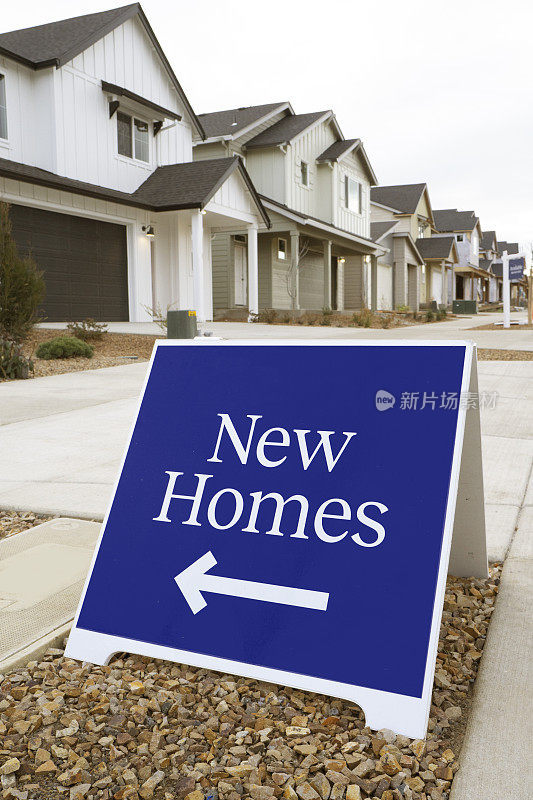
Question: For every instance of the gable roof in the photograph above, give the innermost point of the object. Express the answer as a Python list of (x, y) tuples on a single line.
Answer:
[(192, 184), (488, 240), (57, 43), (171, 188), (344, 147), (286, 129), (403, 198), (511, 247), (450, 219), (380, 229), (441, 247), (234, 120)]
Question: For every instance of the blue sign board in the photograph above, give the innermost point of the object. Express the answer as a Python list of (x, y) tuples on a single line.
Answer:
[(284, 511), (516, 268)]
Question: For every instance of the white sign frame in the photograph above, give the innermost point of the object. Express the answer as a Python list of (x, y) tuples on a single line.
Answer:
[(400, 713)]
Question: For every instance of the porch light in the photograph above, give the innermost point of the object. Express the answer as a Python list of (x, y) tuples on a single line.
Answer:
[(204, 212), (342, 261), (149, 231)]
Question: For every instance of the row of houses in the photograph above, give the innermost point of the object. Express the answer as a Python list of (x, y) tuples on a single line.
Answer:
[(131, 202)]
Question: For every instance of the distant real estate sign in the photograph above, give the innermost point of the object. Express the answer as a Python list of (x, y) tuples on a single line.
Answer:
[(285, 512), (516, 268)]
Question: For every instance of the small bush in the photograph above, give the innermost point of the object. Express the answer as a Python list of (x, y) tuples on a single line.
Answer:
[(363, 318), (87, 329), (403, 309), (430, 316), (13, 364), (442, 314), (21, 285), (325, 320), (267, 316), (64, 347), (386, 321)]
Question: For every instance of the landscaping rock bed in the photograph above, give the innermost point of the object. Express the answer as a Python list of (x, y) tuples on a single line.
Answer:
[(141, 729), (12, 522), (110, 351)]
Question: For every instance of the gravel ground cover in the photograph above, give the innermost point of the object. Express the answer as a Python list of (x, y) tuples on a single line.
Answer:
[(111, 351), (138, 728), (504, 355), (12, 522)]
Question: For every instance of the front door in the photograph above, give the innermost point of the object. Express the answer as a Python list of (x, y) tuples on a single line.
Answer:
[(241, 274)]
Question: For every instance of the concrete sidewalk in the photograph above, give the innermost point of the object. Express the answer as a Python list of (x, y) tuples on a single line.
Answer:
[(496, 754), (515, 338), (65, 436)]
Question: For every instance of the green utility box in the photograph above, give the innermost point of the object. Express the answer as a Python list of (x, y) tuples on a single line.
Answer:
[(181, 325), (464, 306)]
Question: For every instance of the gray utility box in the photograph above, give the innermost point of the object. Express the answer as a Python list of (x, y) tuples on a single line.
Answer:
[(181, 325), (464, 306)]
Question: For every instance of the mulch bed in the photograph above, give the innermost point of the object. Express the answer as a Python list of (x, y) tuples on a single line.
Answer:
[(12, 522), (112, 350), (492, 327), (504, 355), (140, 728)]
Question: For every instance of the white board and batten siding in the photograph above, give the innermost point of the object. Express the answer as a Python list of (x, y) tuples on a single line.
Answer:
[(267, 171), (87, 138), (311, 273), (354, 222), (307, 147), (234, 200)]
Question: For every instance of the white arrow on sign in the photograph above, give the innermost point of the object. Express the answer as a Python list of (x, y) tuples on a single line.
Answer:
[(194, 580)]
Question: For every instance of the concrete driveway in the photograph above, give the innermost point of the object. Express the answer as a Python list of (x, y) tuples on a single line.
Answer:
[(62, 440)]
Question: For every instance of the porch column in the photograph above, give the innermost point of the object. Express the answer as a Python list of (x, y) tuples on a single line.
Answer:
[(444, 290), (197, 230), (327, 274), (472, 289), (340, 284), (295, 266), (253, 272), (373, 283), (454, 283)]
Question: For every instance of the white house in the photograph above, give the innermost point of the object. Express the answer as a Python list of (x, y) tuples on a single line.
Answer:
[(96, 140), (315, 186), (471, 279)]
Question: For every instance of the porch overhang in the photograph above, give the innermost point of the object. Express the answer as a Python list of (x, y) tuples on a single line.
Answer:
[(319, 229)]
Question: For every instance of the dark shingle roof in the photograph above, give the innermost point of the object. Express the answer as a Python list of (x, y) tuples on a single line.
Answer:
[(380, 229), (284, 130), (173, 187), (487, 240), (435, 246), (52, 42), (484, 263), (511, 247), (403, 198), (337, 149), (57, 43), (222, 123), (450, 219)]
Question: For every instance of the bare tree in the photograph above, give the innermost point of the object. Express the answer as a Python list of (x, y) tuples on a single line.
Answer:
[(294, 267)]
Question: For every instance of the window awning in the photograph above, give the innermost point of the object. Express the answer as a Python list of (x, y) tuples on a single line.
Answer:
[(120, 91)]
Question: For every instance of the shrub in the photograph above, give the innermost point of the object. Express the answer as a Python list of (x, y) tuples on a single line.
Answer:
[(363, 318), (268, 316), (403, 309), (442, 314), (64, 347), (21, 285), (87, 329), (13, 364), (430, 316), (325, 320), (386, 321)]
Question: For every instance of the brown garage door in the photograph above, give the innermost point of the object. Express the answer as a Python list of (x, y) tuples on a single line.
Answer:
[(84, 263)]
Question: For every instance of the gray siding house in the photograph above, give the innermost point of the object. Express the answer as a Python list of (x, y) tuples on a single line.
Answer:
[(315, 186)]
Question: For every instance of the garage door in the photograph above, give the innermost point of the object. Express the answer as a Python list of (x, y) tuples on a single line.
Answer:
[(84, 263)]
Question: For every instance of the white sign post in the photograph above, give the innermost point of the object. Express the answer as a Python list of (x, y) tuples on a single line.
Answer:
[(506, 291)]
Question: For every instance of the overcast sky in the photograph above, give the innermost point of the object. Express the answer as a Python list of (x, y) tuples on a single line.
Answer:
[(440, 93)]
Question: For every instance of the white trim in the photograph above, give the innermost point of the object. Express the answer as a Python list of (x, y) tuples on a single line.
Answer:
[(404, 714)]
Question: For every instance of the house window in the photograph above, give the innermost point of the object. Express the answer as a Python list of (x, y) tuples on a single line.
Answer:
[(3, 108), (353, 194), (460, 237), (132, 137), (282, 249), (240, 237), (421, 229), (304, 173)]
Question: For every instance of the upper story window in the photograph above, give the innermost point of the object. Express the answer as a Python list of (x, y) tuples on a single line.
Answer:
[(132, 137), (353, 195), (421, 229), (304, 173), (3, 108), (460, 237), (282, 249)]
